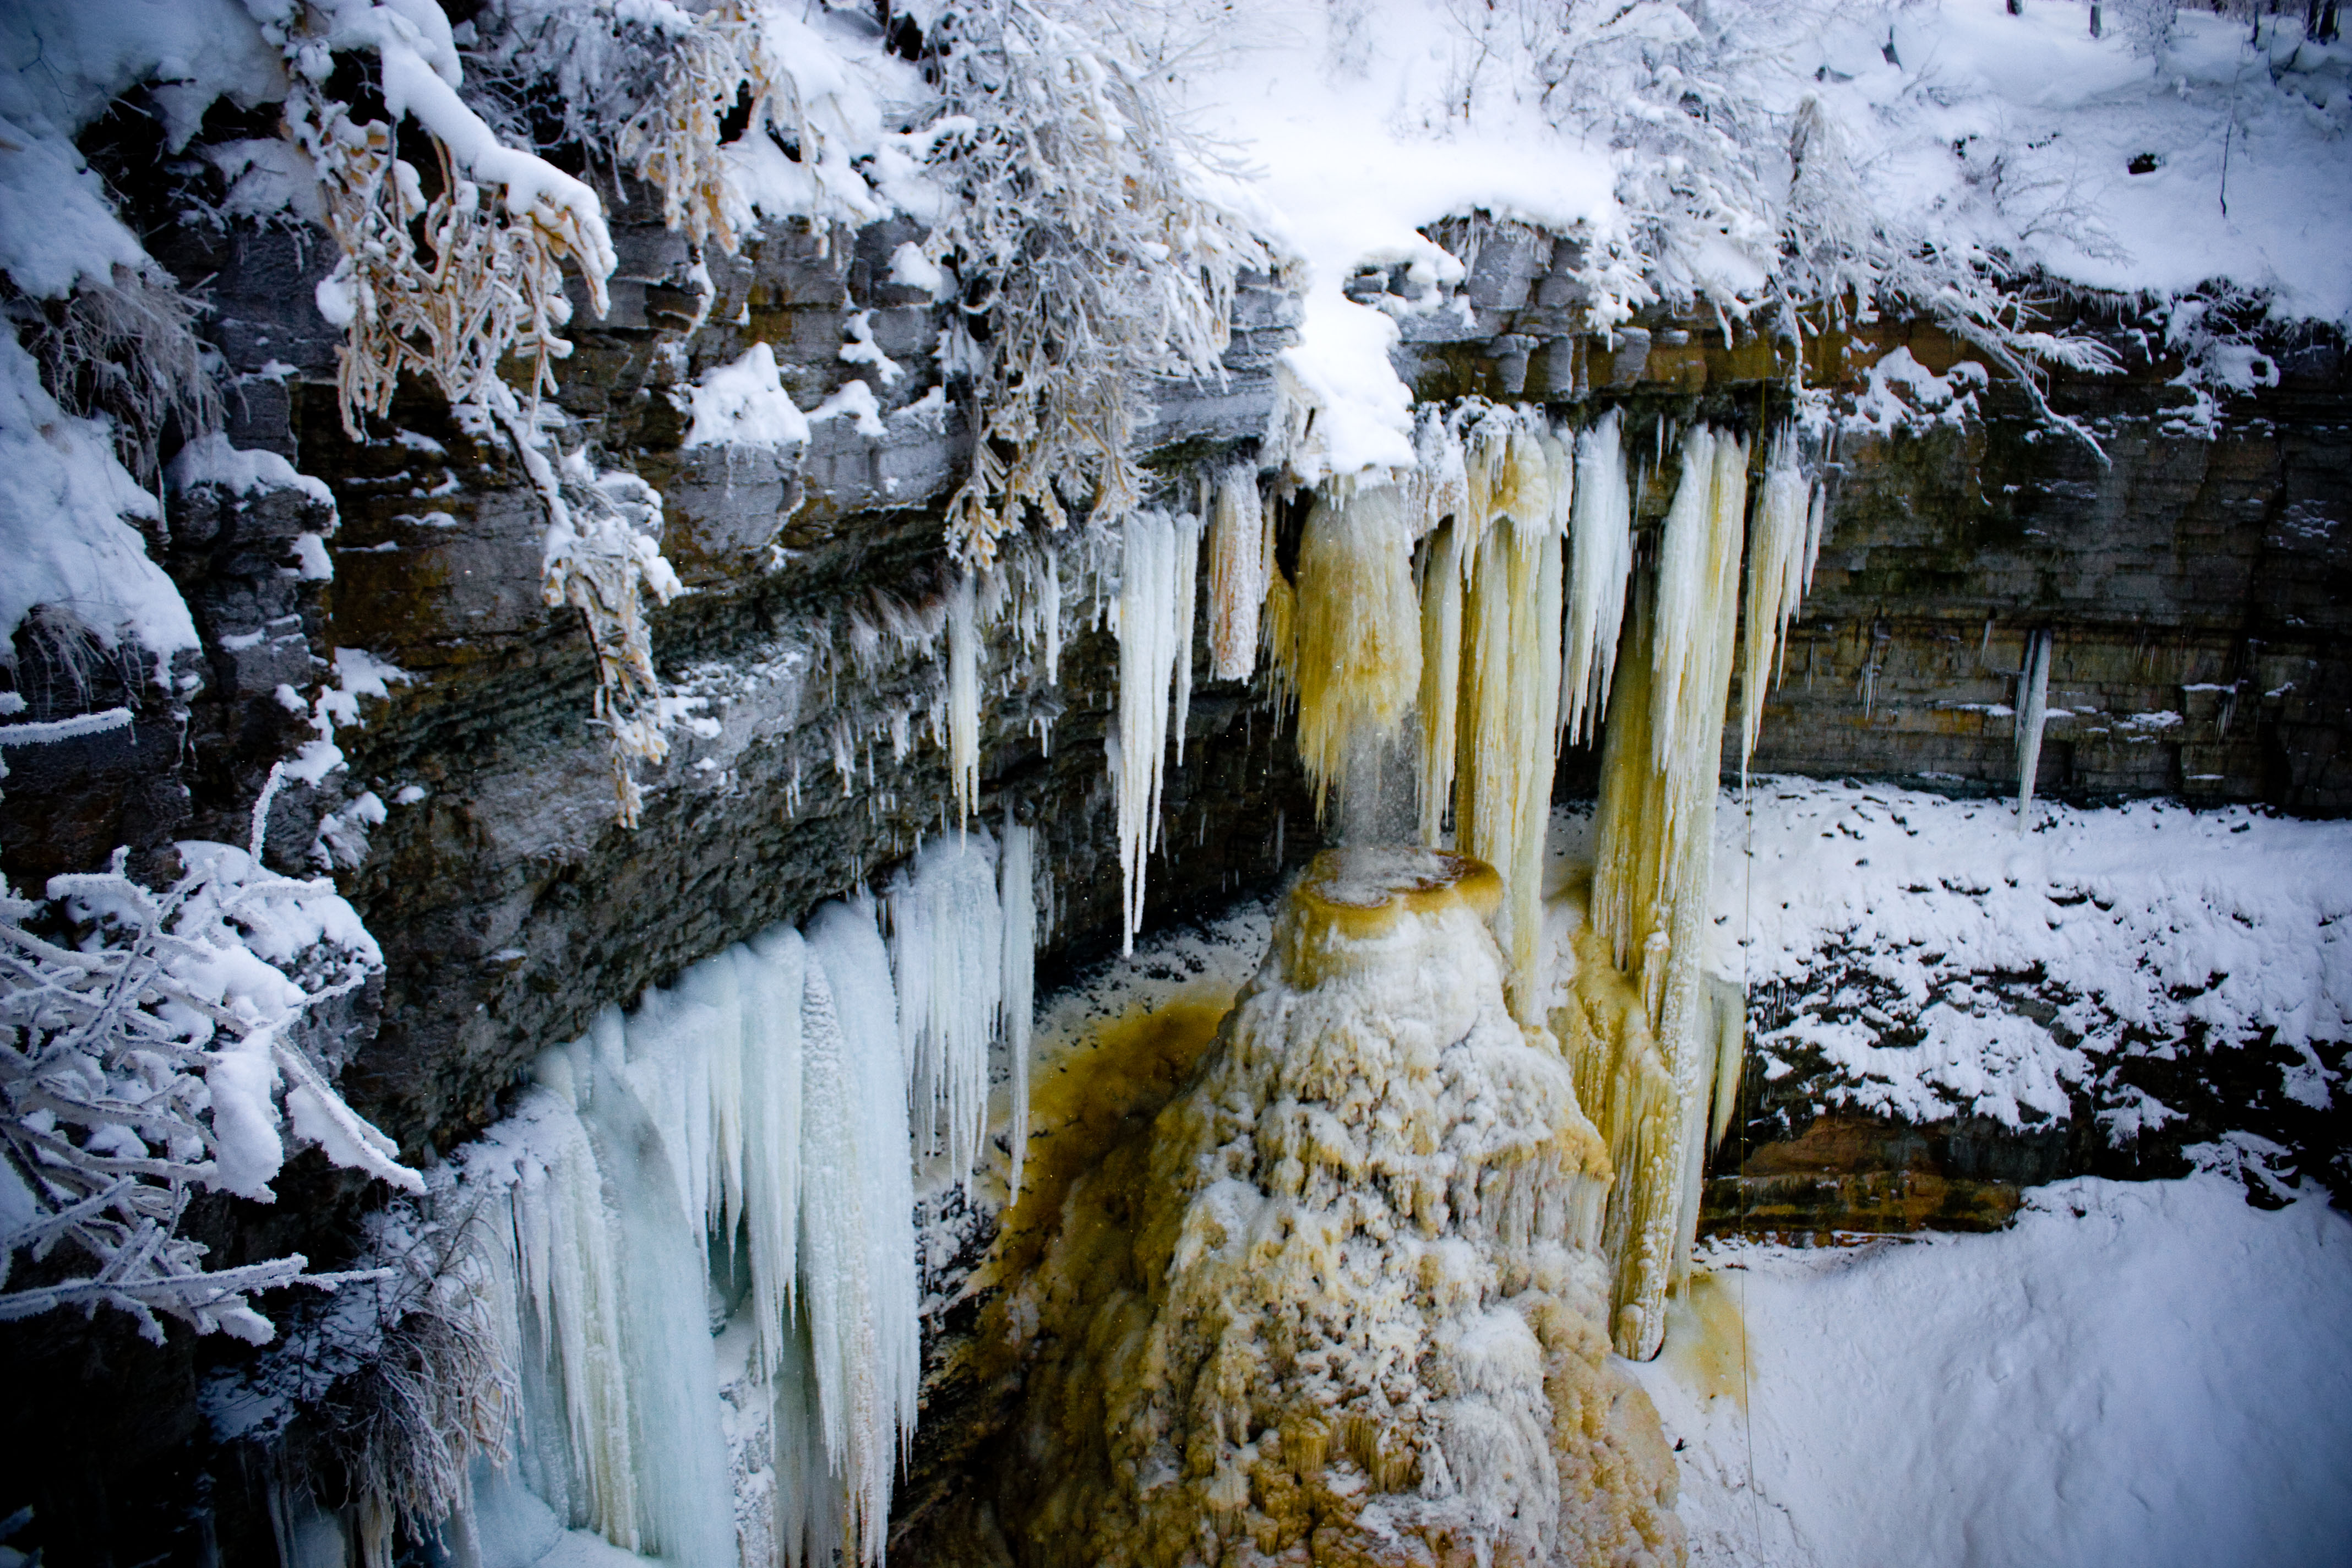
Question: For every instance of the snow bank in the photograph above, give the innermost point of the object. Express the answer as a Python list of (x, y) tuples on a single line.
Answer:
[(745, 405), (2148, 916), (63, 500), (2146, 1374)]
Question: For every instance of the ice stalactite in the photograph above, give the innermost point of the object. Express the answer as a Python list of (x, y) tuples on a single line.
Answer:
[(963, 697), (2032, 715), (1438, 496), (1642, 1025), (949, 949), (1358, 1313), (1187, 609), (1441, 671), (1017, 892), (1507, 714), (1144, 618), (1780, 551), (1601, 560), (1356, 658), (857, 1236), (1240, 553)]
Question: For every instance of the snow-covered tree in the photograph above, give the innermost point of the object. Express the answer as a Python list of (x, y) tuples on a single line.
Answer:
[(154, 1046)]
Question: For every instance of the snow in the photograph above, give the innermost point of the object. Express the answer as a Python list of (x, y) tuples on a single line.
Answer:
[(64, 498), (1329, 116), (745, 405), (209, 460), (2146, 917), (1979, 131), (2146, 1374)]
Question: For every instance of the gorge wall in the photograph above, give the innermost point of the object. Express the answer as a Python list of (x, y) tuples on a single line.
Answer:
[(2196, 583)]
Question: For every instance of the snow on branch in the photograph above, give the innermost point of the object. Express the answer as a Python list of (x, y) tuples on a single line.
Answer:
[(150, 1047), (1084, 236)]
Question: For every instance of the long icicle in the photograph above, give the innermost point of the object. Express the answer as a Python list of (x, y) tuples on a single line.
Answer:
[(1144, 620), (1776, 573), (1601, 560)]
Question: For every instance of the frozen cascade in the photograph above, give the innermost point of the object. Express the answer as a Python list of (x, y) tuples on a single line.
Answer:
[(1356, 658), (1360, 1313), (1601, 560), (949, 951), (1144, 618), (1239, 553), (1642, 1027), (1779, 549), (740, 1146), (2032, 715)]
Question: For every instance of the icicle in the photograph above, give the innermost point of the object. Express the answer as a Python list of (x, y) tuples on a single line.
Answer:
[(1018, 895), (963, 699), (1440, 673), (1049, 606), (572, 1282), (857, 1215), (1647, 1056), (948, 946), (1601, 561), (1776, 573), (1144, 619), (1358, 655), (685, 1512), (1510, 688), (1188, 575), (771, 976), (2033, 714), (1238, 563)]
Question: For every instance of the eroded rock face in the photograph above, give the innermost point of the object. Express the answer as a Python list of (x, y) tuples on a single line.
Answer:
[(1359, 1315)]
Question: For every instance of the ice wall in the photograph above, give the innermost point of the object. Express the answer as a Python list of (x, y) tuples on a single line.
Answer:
[(1359, 1312), (703, 1212)]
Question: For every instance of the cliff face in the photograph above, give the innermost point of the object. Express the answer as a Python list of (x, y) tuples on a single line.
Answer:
[(2196, 589)]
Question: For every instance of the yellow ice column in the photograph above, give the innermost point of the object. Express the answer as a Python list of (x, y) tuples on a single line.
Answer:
[(1660, 763), (1357, 658), (1508, 708), (1778, 554)]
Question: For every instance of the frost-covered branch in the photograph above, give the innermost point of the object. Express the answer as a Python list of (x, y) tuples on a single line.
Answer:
[(1090, 254), (147, 1051)]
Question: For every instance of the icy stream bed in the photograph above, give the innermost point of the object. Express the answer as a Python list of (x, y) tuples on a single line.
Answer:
[(2148, 1373)]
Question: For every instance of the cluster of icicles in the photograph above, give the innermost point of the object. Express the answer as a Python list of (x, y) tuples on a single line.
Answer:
[(737, 1152), (1488, 592)]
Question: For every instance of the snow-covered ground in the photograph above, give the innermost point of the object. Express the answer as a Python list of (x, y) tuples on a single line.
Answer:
[(2141, 1373)]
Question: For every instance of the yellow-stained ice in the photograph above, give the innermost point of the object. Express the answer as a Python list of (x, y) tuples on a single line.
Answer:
[(1344, 1304), (1647, 1035), (1355, 661)]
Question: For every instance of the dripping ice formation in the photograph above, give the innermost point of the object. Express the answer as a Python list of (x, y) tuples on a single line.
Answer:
[(1364, 1305), (738, 1151), (2032, 715)]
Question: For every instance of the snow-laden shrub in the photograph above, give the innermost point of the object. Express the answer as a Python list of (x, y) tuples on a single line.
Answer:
[(1084, 239), (126, 351), (377, 1402), (151, 1048)]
